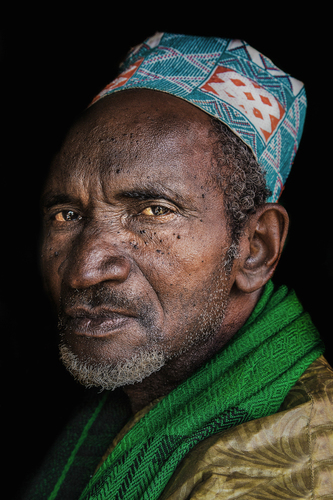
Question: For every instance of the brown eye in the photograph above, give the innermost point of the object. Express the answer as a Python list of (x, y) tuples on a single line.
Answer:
[(67, 216), (155, 210)]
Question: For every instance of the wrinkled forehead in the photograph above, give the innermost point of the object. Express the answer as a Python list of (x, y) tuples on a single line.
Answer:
[(136, 133), (152, 112)]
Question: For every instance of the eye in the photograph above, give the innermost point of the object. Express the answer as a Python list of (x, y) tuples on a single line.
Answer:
[(67, 216), (156, 210)]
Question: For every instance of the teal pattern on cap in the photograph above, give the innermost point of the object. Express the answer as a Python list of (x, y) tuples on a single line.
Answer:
[(231, 81)]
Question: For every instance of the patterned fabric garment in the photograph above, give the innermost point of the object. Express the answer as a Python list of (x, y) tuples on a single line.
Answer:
[(288, 455), (233, 82)]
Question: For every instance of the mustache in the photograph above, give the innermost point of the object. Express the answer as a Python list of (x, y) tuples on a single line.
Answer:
[(104, 298)]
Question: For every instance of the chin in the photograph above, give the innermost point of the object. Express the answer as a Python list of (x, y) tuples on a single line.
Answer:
[(105, 375)]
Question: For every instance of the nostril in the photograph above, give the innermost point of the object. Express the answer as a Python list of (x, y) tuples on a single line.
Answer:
[(116, 268)]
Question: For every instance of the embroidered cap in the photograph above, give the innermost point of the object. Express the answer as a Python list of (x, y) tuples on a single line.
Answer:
[(231, 81)]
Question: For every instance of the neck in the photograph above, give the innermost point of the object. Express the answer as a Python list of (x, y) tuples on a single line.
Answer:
[(179, 368)]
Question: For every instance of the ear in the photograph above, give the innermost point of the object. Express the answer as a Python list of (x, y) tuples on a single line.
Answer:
[(261, 246)]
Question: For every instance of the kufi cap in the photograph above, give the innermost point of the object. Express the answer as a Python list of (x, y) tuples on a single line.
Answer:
[(230, 80)]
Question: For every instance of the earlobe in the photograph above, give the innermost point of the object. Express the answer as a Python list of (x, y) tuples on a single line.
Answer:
[(261, 247)]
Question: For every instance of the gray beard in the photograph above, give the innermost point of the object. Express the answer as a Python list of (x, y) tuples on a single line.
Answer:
[(110, 377)]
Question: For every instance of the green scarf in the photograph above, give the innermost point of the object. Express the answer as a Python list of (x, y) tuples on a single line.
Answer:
[(249, 379)]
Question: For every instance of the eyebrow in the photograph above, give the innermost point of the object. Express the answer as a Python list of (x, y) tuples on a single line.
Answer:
[(50, 199), (154, 192)]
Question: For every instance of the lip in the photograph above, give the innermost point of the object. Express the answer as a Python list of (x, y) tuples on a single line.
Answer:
[(96, 324)]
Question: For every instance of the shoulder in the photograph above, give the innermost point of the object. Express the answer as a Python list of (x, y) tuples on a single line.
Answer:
[(316, 383), (285, 455)]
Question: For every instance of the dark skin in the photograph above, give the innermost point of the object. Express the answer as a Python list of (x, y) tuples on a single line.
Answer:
[(130, 205)]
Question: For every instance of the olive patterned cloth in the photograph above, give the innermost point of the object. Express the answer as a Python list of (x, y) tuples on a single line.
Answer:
[(288, 455)]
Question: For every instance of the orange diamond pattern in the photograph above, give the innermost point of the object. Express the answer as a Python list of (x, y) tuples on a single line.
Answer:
[(121, 80), (262, 109)]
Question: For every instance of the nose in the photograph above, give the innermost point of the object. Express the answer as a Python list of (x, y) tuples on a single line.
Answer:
[(94, 260)]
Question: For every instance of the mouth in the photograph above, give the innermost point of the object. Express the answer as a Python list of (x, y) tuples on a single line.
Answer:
[(98, 324)]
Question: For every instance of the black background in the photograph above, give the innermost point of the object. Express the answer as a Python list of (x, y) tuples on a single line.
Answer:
[(53, 62)]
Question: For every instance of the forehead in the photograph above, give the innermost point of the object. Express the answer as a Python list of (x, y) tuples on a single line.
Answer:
[(133, 137)]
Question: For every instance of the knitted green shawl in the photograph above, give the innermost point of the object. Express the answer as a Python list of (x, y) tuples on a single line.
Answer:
[(248, 379)]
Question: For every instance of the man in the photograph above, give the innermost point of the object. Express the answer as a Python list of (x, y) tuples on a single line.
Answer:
[(162, 233)]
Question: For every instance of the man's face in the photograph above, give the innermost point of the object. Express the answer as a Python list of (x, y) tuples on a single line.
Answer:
[(135, 236)]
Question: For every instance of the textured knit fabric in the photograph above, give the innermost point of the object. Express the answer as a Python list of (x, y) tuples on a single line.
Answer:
[(247, 380), (231, 81), (72, 460)]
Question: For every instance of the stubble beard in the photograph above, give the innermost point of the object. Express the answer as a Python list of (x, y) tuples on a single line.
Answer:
[(152, 358), (118, 372)]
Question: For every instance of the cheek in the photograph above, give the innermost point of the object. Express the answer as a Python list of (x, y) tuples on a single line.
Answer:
[(198, 253), (182, 265), (51, 258)]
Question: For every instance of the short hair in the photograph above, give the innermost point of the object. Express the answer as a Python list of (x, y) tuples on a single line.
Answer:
[(240, 177)]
